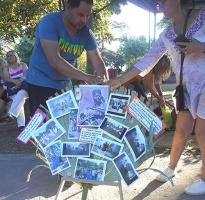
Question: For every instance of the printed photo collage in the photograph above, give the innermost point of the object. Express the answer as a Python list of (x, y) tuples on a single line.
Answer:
[(91, 111)]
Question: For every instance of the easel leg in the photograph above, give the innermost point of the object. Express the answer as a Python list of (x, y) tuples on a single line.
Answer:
[(120, 190), (60, 189)]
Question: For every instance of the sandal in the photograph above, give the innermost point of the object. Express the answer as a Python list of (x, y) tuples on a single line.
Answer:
[(9, 118)]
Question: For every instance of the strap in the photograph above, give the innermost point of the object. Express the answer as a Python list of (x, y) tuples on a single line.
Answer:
[(182, 53)]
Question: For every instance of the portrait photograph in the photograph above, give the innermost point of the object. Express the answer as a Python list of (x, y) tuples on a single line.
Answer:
[(75, 149), (61, 104), (53, 155), (113, 128), (92, 105), (106, 148), (126, 169), (116, 105), (90, 169), (48, 132), (73, 130), (135, 140)]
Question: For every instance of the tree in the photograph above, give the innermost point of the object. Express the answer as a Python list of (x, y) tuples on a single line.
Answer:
[(24, 49), (20, 17), (131, 48)]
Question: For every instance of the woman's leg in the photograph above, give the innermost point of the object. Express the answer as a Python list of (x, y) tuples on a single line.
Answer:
[(184, 126), (18, 101), (200, 136)]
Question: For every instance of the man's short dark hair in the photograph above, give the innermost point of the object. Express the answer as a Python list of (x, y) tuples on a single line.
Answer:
[(76, 3)]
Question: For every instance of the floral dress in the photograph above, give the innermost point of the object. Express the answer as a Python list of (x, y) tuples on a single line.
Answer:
[(193, 67)]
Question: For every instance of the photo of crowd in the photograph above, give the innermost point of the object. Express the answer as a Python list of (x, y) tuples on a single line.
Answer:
[(116, 105), (90, 169), (55, 161)]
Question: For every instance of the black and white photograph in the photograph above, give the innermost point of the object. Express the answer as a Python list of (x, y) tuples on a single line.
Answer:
[(53, 155), (61, 104), (73, 130), (75, 149), (106, 148), (48, 132), (126, 169), (90, 169), (135, 140), (92, 105), (88, 135), (113, 128), (116, 105)]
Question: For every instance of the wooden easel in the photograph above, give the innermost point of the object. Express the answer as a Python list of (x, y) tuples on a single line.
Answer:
[(86, 186)]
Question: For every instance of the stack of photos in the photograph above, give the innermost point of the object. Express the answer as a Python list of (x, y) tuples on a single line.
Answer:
[(90, 169), (53, 155), (93, 136), (126, 169), (136, 142)]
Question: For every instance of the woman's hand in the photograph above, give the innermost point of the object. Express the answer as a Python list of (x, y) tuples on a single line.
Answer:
[(192, 47), (162, 102), (115, 82)]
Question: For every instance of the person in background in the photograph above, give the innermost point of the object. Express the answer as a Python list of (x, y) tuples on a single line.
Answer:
[(15, 73), (193, 78), (4, 100), (60, 39), (161, 71)]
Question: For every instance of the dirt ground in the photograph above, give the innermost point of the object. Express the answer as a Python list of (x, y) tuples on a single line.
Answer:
[(9, 131)]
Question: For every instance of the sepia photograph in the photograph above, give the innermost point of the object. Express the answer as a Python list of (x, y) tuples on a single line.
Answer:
[(75, 149), (126, 169), (116, 105), (106, 148), (53, 155), (135, 140), (48, 132), (73, 130), (61, 104), (113, 128), (90, 169), (92, 105)]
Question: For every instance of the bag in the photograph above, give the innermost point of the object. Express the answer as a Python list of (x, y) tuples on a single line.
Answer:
[(11, 87), (167, 116), (179, 97), (158, 111)]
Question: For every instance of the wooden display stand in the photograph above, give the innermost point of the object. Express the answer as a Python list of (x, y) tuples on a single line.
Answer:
[(86, 184)]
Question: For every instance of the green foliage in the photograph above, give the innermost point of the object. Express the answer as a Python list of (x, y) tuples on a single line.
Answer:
[(131, 48), (24, 49), (82, 62), (164, 22)]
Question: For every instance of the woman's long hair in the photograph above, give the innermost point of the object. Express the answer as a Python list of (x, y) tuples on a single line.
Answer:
[(162, 69), (16, 55)]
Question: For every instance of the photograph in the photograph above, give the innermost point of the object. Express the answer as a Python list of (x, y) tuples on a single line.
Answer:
[(116, 105), (135, 140), (92, 105), (88, 135), (48, 132), (90, 169), (126, 169), (113, 128), (53, 155), (73, 130), (75, 149), (106, 148), (60, 105)]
